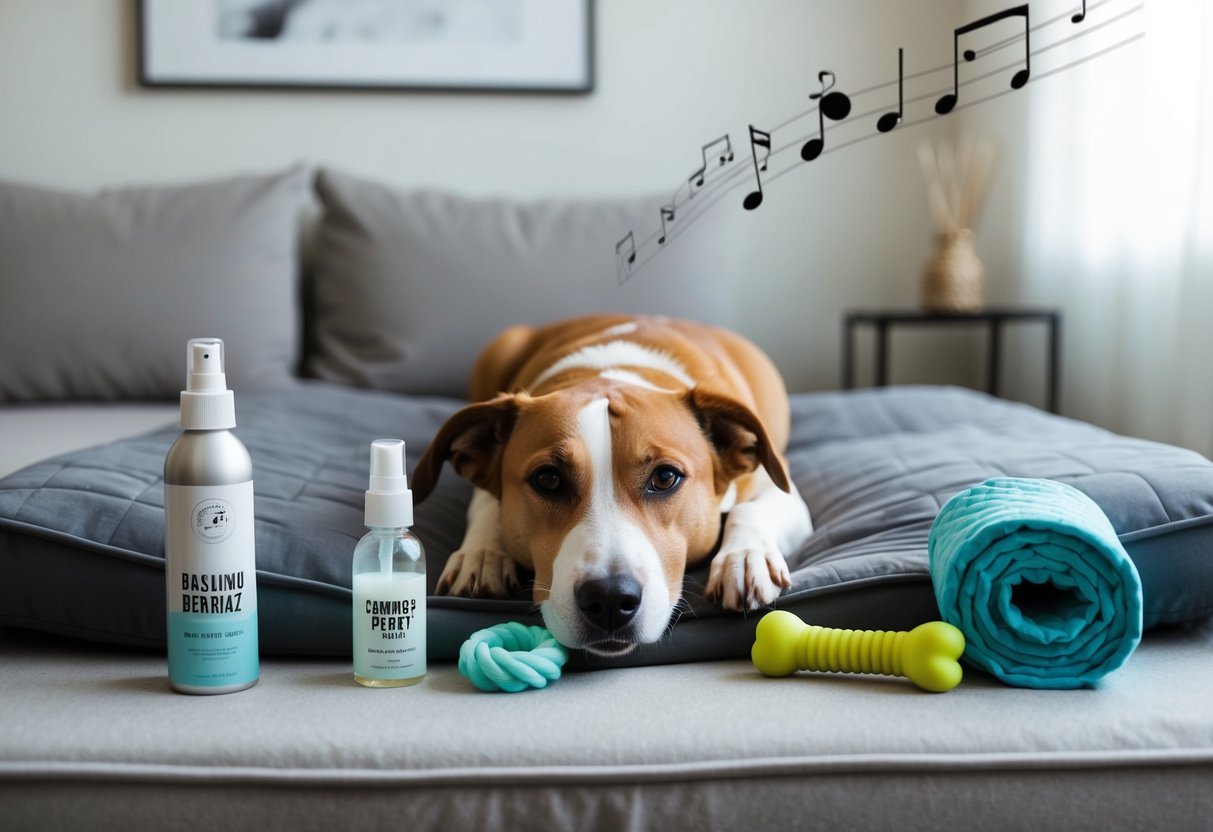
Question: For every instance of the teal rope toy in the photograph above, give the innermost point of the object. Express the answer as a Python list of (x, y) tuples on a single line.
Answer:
[(511, 657)]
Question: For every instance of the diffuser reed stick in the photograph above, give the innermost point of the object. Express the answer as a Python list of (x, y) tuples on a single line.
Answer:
[(957, 179)]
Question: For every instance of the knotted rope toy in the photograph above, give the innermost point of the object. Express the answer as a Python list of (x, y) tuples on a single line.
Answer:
[(927, 654), (511, 657)]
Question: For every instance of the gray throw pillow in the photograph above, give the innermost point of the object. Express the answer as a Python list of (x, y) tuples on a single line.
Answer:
[(99, 292), (410, 285)]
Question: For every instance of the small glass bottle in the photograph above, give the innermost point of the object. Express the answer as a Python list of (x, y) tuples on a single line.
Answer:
[(389, 579)]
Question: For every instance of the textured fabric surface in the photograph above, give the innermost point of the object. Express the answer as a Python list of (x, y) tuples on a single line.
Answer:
[(878, 465), (82, 553), (624, 749), (34, 432), (402, 277), (101, 290), (1032, 573)]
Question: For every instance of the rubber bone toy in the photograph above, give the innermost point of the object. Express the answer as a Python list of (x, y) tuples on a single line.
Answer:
[(928, 654)]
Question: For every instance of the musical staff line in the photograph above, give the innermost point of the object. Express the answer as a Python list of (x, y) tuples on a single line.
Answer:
[(722, 186), (711, 201), (990, 97), (948, 66), (1087, 30), (998, 44), (934, 94), (1090, 29)]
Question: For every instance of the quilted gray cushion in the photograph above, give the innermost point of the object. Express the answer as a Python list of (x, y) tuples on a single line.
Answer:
[(81, 548)]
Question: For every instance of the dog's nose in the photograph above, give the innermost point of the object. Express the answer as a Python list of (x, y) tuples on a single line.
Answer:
[(609, 603)]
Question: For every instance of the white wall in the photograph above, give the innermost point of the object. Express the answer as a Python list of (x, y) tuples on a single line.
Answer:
[(850, 229), (1104, 187)]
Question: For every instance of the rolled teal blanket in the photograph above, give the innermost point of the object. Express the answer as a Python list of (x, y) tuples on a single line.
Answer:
[(1032, 573)]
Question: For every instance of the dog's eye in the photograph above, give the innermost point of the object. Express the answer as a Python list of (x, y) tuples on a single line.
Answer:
[(547, 480), (665, 478)]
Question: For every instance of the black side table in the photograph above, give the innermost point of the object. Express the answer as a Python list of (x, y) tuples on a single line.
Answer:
[(994, 320)]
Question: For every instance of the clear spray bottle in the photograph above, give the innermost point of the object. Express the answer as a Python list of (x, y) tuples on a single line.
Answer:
[(389, 579)]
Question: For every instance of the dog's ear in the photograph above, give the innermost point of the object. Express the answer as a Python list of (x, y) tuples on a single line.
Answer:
[(738, 435), (472, 440)]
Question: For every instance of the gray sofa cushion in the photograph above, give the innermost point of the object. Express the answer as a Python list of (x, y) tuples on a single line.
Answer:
[(403, 279), (101, 290), (81, 535)]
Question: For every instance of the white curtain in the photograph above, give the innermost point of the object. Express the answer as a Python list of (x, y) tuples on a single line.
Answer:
[(1119, 232)]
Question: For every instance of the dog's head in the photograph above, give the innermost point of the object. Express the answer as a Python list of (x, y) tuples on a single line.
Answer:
[(607, 491)]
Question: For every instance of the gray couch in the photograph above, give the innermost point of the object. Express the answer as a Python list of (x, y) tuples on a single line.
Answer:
[(397, 292)]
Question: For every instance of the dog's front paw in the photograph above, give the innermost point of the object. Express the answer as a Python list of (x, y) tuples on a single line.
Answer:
[(479, 572), (748, 577)]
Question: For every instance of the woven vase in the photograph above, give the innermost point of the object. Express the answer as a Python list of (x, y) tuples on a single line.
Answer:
[(952, 280)]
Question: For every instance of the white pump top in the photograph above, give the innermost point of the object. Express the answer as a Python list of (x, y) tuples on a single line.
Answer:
[(389, 502), (206, 403)]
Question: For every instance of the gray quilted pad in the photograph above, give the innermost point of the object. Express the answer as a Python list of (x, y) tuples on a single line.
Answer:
[(81, 548)]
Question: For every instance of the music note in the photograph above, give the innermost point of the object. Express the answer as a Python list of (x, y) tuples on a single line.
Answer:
[(890, 120), (834, 106), (1081, 16), (758, 138), (947, 102), (628, 239), (699, 172), (667, 213)]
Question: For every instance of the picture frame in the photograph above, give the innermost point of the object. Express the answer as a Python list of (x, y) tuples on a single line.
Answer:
[(537, 46)]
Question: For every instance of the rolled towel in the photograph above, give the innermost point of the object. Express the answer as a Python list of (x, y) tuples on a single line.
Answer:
[(1032, 573)]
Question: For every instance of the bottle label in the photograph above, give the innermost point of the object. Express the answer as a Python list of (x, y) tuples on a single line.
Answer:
[(210, 565), (389, 625)]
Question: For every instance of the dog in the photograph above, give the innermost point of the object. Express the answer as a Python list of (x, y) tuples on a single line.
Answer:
[(604, 451)]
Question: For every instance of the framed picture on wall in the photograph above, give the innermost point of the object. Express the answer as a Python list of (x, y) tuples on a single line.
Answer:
[(481, 45)]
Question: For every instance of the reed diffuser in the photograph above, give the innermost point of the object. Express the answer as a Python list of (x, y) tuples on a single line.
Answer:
[(953, 278)]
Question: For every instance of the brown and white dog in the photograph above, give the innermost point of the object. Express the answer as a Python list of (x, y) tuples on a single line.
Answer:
[(605, 470)]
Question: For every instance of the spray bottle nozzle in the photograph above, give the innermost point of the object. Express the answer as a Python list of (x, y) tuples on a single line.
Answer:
[(387, 465), (206, 403), (204, 360), (389, 502)]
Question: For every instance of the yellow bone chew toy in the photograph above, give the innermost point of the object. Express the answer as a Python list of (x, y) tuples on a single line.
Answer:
[(783, 644)]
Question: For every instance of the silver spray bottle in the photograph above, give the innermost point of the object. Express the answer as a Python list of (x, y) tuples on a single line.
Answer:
[(210, 563)]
